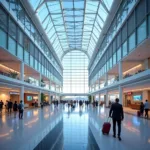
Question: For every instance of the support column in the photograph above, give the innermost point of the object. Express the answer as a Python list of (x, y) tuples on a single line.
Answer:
[(106, 98), (106, 79), (120, 70), (40, 80), (22, 94), (91, 98), (39, 99), (22, 71), (49, 98), (120, 95)]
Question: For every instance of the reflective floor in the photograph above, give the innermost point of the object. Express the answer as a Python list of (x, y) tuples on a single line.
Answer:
[(78, 129)]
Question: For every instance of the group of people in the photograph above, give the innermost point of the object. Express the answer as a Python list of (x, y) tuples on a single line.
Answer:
[(13, 106), (145, 107)]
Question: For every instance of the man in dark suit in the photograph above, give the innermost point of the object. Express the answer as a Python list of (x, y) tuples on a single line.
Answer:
[(116, 112)]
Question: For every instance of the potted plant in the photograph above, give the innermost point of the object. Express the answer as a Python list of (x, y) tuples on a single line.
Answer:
[(13, 74), (117, 78), (89, 98), (42, 83)]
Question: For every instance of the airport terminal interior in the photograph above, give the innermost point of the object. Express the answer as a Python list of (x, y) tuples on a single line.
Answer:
[(63, 64)]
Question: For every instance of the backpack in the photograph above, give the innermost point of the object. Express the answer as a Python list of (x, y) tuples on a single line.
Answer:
[(19, 106)]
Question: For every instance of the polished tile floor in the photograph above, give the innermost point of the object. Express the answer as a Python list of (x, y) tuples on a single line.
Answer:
[(78, 129)]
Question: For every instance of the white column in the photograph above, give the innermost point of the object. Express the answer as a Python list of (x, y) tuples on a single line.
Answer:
[(22, 94), (22, 71), (106, 98), (91, 98), (40, 80), (120, 95), (39, 98), (120, 70), (49, 98), (106, 79)]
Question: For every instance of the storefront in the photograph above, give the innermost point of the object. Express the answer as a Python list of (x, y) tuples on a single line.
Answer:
[(134, 99)]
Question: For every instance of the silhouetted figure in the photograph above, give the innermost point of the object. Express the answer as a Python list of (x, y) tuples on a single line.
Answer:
[(21, 109), (10, 104), (146, 107), (142, 108), (80, 103), (15, 108), (116, 112), (1, 106)]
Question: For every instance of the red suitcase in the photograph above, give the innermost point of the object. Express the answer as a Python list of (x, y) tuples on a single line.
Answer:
[(138, 113), (106, 127)]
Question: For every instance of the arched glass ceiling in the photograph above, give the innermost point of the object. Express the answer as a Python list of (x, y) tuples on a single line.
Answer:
[(72, 24)]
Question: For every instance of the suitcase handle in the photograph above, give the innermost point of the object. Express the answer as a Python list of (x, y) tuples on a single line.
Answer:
[(109, 119)]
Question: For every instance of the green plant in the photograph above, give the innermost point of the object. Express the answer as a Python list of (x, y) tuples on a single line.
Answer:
[(43, 97), (42, 80), (13, 74), (90, 98)]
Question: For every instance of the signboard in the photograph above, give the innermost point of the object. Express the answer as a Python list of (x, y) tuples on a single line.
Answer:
[(14, 93)]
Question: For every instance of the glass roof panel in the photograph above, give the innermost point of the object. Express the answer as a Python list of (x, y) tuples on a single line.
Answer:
[(72, 24)]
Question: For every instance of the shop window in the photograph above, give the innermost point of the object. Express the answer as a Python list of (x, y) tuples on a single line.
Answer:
[(124, 32), (131, 23), (20, 52), (12, 28), (21, 14), (31, 61), (140, 12), (12, 46), (27, 24), (110, 63), (141, 32), (114, 59), (118, 54), (124, 49), (20, 37), (26, 57), (39, 67), (132, 42), (3, 40), (36, 64), (14, 6), (107, 65), (3, 19), (26, 43)]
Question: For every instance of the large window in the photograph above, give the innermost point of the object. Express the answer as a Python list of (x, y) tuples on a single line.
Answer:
[(3, 41), (132, 42), (75, 74), (141, 32)]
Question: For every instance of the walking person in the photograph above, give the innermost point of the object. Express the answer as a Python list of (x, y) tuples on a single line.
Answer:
[(21, 108), (10, 104), (116, 112), (141, 109), (146, 107), (1, 106), (15, 108)]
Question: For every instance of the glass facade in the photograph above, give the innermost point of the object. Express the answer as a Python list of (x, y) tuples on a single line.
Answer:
[(20, 44), (133, 31), (75, 73)]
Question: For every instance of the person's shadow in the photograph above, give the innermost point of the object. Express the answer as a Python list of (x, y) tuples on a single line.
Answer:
[(80, 113)]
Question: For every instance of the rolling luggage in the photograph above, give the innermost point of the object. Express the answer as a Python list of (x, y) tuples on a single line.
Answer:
[(138, 113), (106, 127)]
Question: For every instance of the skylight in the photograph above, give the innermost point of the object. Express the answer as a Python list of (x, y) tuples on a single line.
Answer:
[(72, 24)]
